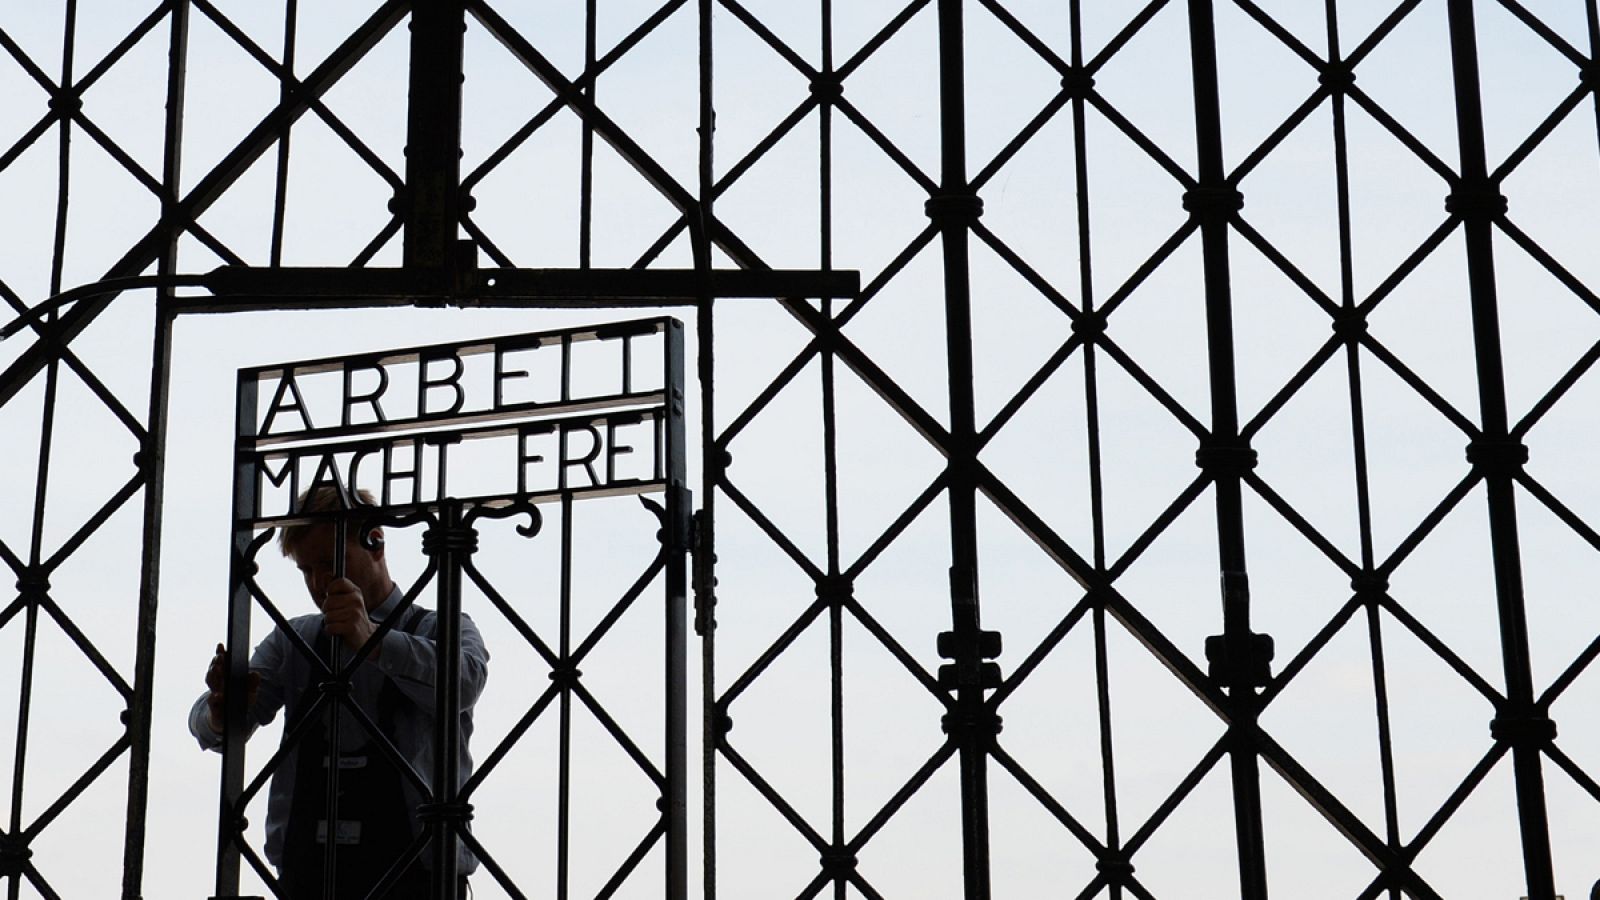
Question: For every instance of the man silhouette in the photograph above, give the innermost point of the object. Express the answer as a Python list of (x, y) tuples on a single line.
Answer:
[(394, 686)]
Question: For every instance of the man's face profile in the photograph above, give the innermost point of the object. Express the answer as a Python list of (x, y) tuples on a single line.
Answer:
[(314, 556)]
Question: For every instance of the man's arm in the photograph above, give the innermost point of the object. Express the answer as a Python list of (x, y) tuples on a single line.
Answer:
[(412, 662), (263, 695)]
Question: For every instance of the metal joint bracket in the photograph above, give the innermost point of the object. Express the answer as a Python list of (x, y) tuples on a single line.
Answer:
[(1089, 326), (827, 87), (836, 590), (1523, 729), (1337, 77), (450, 539), (1226, 457), (838, 862), (984, 721), (33, 583), (1246, 663), (954, 210), (1212, 202), (1117, 869), (460, 812), (566, 677), (1350, 325), (1476, 200), (1369, 586), (970, 652), (1497, 456), (1077, 83), (14, 855), (702, 573)]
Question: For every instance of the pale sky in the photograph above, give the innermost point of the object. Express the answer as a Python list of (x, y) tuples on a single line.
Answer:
[(528, 206)]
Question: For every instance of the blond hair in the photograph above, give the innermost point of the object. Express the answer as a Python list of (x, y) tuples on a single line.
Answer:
[(326, 498)]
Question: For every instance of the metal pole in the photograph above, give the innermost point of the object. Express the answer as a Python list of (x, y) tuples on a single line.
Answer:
[(433, 133), (150, 460), (1476, 200), (675, 539), (231, 823), (1239, 659), (971, 725), (452, 542)]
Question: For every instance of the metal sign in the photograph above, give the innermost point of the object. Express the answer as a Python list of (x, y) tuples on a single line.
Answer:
[(443, 437)]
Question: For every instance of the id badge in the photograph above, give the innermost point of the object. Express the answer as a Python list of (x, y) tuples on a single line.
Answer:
[(346, 833), (349, 761)]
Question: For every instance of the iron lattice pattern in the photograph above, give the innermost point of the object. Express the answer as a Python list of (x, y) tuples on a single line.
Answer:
[(1067, 304)]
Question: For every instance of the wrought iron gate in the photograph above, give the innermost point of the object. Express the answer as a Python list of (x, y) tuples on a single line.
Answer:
[(454, 451), (1059, 276)]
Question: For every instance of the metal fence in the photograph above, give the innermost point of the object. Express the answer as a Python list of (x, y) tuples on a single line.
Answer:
[(978, 305)]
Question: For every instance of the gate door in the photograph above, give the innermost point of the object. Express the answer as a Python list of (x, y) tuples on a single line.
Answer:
[(542, 476)]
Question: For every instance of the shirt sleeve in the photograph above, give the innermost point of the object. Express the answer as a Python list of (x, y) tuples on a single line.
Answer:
[(412, 662), (268, 662)]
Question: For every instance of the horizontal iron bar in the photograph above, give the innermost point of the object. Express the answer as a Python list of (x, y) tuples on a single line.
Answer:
[(237, 288)]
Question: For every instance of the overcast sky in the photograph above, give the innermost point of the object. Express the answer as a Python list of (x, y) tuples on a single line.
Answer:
[(528, 207)]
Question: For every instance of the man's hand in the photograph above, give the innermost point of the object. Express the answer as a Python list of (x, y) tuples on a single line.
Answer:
[(344, 613), (216, 680)]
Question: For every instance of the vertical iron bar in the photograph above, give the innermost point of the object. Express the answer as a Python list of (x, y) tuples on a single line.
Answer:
[(64, 149), (1358, 434), (433, 133), (330, 858), (675, 536), (711, 459), (1475, 203), (1211, 202), (151, 460), (830, 468), (954, 210), (281, 187), (246, 484), (24, 711), (453, 546), (564, 776), (586, 141)]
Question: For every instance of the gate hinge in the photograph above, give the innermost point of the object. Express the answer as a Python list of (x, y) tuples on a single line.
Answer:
[(703, 572)]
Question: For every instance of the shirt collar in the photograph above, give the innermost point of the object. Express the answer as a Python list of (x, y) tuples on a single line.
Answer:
[(387, 606)]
